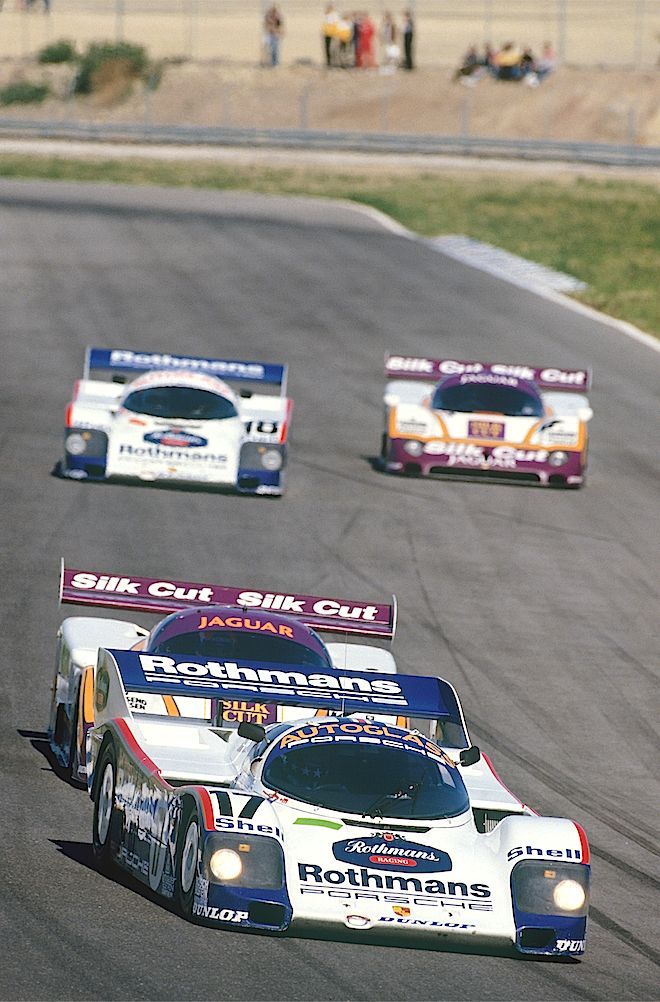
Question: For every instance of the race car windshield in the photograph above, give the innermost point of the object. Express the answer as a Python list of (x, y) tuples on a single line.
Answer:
[(489, 397), (184, 402), (368, 780), (237, 645)]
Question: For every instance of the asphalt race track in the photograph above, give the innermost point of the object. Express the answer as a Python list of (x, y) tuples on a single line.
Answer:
[(541, 606)]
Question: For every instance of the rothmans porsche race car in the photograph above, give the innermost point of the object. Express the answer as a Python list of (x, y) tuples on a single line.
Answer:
[(461, 419), (161, 417), (256, 777)]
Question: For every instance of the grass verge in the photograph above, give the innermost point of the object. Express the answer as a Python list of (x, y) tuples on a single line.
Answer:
[(604, 232)]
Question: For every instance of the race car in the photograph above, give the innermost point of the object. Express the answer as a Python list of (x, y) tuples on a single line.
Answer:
[(162, 417), (214, 620), (335, 813), (467, 419)]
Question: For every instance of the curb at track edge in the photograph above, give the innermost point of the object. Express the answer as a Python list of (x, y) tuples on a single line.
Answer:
[(537, 288)]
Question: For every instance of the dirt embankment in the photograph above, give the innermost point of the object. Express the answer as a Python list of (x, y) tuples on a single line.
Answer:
[(598, 105)]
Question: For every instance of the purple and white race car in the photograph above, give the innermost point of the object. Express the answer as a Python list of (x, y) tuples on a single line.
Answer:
[(157, 417), (466, 419)]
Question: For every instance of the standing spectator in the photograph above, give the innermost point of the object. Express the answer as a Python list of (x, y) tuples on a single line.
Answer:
[(345, 55), (364, 54), (329, 34), (408, 32), (388, 41), (273, 31)]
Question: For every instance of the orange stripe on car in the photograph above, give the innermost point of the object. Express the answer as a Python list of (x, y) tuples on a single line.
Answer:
[(171, 707)]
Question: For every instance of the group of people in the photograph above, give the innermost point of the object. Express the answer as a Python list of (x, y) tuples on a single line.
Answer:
[(353, 40), (509, 63)]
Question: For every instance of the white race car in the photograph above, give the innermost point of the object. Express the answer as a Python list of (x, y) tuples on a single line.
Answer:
[(254, 777), (171, 418)]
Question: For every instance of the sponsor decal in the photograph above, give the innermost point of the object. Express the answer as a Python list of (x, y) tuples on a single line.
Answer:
[(239, 825), (429, 923), (530, 850), (160, 452), (453, 367), (571, 945), (391, 852), (292, 603), (132, 861), (401, 911), (176, 438), (219, 914), (395, 363), (84, 581), (500, 456), (319, 823), (489, 377), (136, 702), (212, 675), (313, 874), (235, 711), (136, 359), (483, 428), (244, 623), (357, 730)]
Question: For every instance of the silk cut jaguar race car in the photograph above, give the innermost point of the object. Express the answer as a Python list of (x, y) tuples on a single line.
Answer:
[(461, 419), (256, 777), (160, 417)]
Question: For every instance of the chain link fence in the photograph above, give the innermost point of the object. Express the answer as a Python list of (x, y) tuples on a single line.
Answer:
[(621, 33)]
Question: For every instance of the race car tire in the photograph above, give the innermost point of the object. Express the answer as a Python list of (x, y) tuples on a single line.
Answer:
[(105, 812), (185, 866)]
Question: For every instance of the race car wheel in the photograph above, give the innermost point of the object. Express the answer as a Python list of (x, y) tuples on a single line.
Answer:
[(104, 807), (187, 852)]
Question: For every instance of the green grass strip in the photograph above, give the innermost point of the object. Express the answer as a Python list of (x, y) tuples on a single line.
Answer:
[(605, 232)]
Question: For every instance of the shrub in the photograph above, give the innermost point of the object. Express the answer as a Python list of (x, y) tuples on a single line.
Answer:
[(24, 92), (109, 61), (63, 51)]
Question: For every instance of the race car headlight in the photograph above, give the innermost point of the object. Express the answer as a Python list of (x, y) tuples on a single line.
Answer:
[(558, 458), (413, 448), (75, 444), (271, 460), (569, 895), (549, 887), (244, 860), (225, 864)]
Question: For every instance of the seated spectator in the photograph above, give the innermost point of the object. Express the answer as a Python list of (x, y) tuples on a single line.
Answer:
[(547, 62), (507, 61), (470, 66)]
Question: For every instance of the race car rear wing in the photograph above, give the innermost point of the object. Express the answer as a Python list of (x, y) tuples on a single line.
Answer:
[(334, 615), (433, 369), (338, 690), (121, 362)]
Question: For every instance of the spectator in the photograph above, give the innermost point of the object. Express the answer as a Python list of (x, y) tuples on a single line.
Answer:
[(527, 62), (470, 67), (507, 61), (329, 34), (408, 33), (488, 60), (364, 52), (547, 63), (345, 52), (273, 32), (388, 41)]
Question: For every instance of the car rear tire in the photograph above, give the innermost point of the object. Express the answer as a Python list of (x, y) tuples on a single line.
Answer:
[(187, 852), (105, 812)]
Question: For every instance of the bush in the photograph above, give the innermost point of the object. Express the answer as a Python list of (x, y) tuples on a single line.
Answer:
[(24, 92), (59, 52), (109, 61)]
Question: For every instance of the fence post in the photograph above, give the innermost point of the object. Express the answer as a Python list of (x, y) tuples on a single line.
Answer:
[(119, 20), (561, 30)]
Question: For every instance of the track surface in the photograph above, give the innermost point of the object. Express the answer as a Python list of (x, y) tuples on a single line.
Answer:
[(540, 606)]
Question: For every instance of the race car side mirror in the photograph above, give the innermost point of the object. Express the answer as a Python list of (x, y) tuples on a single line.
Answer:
[(470, 756), (255, 732), (585, 414), (246, 394)]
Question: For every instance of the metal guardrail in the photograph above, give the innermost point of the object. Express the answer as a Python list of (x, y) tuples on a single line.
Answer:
[(311, 139)]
